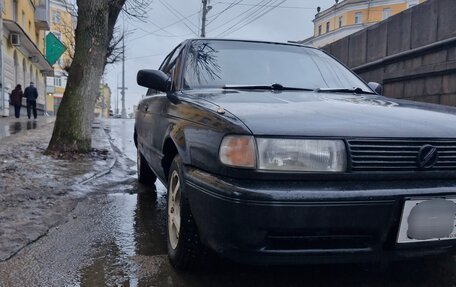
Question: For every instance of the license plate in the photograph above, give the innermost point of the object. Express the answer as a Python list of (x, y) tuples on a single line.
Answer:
[(430, 219)]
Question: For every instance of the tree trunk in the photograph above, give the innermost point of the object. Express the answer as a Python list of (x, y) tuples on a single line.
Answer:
[(94, 31)]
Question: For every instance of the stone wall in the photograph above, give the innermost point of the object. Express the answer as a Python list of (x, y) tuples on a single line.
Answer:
[(413, 54)]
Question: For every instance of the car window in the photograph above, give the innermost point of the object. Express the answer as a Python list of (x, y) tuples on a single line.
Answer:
[(218, 63), (171, 60), (165, 61)]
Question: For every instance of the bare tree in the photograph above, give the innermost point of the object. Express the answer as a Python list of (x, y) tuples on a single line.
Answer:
[(93, 38), (66, 30)]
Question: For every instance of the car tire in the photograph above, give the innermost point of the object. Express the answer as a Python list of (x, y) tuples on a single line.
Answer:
[(145, 174), (184, 246)]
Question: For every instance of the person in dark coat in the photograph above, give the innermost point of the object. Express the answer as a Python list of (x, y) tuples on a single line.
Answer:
[(16, 100), (31, 94)]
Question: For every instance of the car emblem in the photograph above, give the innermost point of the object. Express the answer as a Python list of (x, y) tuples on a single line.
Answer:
[(427, 157)]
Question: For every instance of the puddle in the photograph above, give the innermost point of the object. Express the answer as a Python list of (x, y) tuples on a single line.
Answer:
[(9, 126), (134, 228)]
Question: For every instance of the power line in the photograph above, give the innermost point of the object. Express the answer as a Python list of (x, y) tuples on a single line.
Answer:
[(146, 56), (160, 35), (177, 11), (269, 6), (233, 4), (259, 16), (159, 28), (260, 9), (255, 18), (167, 26), (178, 15), (240, 15)]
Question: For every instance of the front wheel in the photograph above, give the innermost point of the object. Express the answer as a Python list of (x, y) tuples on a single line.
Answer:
[(145, 174), (184, 246)]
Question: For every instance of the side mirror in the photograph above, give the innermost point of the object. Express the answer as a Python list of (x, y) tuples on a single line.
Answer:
[(376, 87), (154, 79)]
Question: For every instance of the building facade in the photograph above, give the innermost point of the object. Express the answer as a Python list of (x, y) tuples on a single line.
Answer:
[(24, 23), (350, 16), (63, 25)]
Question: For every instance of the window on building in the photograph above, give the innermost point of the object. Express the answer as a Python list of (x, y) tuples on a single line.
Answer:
[(319, 30), (30, 26), (14, 11), (56, 17), (58, 81), (37, 35), (340, 21), (64, 81), (327, 27), (386, 13), (358, 18), (23, 20)]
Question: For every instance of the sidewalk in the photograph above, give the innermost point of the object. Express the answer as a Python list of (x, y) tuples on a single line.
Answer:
[(11, 125), (38, 191)]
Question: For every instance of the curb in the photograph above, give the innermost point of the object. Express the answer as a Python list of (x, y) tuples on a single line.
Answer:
[(107, 146)]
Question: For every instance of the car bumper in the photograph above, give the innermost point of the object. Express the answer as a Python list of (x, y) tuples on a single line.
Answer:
[(307, 222)]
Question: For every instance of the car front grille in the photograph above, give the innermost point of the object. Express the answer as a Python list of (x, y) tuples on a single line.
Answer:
[(391, 155)]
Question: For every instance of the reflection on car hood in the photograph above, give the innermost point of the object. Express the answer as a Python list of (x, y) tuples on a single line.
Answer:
[(339, 115)]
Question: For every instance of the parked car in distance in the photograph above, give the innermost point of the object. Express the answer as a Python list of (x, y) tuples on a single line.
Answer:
[(278, 154)]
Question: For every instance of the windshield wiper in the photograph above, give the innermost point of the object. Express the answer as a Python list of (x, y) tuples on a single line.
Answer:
[(275, 87), (342, 90)]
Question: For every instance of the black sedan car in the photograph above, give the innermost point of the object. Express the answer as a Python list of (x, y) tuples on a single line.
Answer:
[(277, 153)]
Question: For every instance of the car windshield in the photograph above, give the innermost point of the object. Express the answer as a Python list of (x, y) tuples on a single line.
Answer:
[(217, 64)]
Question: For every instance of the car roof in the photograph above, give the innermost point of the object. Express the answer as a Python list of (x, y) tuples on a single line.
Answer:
[(253, 41)]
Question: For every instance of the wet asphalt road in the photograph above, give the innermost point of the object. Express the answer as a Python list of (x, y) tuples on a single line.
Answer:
[(116, 237)]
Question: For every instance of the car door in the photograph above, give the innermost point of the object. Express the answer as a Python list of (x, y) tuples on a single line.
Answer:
[(153, 110)]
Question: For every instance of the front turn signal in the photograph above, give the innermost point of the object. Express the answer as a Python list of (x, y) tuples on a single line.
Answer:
[(238, 151)]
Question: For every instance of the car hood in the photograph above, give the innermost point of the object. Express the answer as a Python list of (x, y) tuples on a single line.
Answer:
[(336, 115)]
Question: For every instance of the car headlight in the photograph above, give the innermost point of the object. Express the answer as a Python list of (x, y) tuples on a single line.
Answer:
[(238, 151), (301, 155)]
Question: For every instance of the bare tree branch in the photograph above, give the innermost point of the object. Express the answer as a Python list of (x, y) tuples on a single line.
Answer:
[(133, 9), (137, 9), (115, 51)]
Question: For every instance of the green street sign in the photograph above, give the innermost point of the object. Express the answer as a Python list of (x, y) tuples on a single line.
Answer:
[(54, 48)]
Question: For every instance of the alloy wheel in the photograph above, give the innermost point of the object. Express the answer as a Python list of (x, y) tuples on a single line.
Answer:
[(174, 209)]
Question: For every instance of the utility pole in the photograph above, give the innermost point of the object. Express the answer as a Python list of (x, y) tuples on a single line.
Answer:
[(206, 9), (124, 111)]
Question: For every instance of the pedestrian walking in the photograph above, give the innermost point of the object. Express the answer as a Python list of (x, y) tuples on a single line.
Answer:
[(16, 100), (31, 94)]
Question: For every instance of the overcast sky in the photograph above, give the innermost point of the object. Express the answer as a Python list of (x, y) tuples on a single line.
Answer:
[(147, 44)]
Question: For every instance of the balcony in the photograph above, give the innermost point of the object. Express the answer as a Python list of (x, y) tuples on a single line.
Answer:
[(27, 47), (42, 19)]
